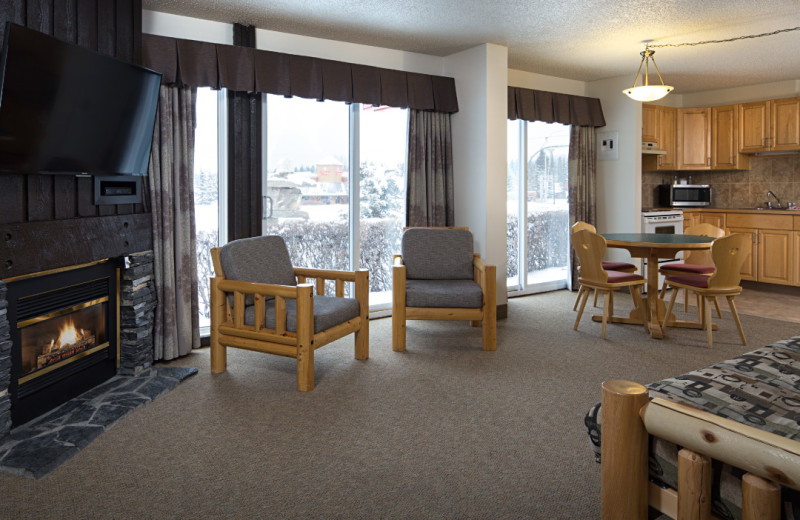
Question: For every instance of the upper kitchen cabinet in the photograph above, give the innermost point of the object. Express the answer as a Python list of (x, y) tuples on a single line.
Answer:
[(649, 123), (659, 125), (767, 126), (725, 139), (785, 124), (754, 129), (694, 138)]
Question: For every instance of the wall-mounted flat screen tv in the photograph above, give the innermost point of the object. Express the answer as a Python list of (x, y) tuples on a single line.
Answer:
[(68, 109)]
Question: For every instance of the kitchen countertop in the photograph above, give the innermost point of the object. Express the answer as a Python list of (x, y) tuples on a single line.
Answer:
[(741, 210)]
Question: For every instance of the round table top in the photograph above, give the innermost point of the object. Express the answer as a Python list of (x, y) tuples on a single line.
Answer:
[(658, 239)]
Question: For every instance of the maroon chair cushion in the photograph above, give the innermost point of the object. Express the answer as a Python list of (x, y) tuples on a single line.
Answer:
[(619, 277), (688, 268), (695, 280), (608, 265)]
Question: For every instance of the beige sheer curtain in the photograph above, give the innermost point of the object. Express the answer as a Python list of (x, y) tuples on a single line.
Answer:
[(582, 183), (429, 192), (176, 329)]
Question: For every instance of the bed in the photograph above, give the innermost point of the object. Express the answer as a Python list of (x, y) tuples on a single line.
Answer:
[(719, 442)]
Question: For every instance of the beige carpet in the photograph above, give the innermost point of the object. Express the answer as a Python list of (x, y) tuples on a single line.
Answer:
[(444, 430)]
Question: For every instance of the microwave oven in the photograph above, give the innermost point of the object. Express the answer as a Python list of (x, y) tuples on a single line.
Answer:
[(684, 195)]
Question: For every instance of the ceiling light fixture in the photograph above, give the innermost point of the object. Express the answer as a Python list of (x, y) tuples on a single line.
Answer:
[(647, 92)]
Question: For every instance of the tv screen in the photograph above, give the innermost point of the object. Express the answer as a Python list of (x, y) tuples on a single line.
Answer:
[(67, 109)]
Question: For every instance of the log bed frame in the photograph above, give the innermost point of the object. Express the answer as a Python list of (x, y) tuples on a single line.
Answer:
[(629, 416)]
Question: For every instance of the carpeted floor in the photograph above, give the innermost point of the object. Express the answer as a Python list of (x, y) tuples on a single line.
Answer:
[(444, 430)]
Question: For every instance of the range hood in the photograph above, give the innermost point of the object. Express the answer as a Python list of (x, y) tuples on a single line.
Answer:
[(650, 148)]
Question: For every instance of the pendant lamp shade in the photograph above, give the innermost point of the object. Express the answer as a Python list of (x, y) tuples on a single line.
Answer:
[(647, 92)]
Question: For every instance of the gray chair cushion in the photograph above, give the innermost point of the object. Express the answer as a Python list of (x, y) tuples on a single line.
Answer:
[(437, 254), (262, 259), (328, 312), (443, 293)]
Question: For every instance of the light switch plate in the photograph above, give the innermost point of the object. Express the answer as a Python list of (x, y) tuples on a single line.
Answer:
[(607, 146)]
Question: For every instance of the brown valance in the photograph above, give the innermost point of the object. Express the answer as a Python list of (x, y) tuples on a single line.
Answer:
[(202, 64), (552, 107)]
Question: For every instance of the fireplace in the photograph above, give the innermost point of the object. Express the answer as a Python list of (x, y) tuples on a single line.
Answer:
[(64, 334)]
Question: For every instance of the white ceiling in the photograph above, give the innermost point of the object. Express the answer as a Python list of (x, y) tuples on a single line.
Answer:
[(576, 39)]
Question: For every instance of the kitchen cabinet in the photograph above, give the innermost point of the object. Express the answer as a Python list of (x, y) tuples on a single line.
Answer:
[(796, 254), (749, 269), (649, 123), (769, 126), (690, 218), (694, 139), (754, 122), (715, 219), (785, 124), (725, 139), (659, 125), (773, 257)]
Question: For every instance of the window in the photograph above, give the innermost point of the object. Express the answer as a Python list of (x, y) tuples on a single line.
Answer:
[(312, 191), (538, 251), (209, 200)]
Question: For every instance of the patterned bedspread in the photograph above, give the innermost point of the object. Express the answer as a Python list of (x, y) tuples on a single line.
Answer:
[(760, 388)]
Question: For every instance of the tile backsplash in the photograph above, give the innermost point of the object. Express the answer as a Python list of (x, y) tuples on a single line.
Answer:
[(736, 188)]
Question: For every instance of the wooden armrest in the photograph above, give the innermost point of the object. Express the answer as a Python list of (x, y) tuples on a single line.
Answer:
[(327, 274), (286, 291)]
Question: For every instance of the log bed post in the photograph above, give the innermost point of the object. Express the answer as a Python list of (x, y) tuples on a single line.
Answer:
[(623, 452), (694, 486), (761, 498)]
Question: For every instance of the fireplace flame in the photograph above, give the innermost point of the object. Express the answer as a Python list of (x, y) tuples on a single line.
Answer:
[(67, 335)]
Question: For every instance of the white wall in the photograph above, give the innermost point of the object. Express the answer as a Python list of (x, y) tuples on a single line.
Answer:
[(522, 79), (619, 182), (729, 96), (163, 24), (479, 151)]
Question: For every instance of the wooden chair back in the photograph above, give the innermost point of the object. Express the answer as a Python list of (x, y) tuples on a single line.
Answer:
[(729, 253), (579, 225), (703, 256), (590, 248)]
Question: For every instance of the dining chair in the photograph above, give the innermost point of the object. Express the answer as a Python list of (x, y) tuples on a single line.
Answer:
[(696, 261), (728, 254), (590, 248), (608, 265)]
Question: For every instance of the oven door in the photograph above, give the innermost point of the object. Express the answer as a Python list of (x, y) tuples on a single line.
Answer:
[(671, 226)]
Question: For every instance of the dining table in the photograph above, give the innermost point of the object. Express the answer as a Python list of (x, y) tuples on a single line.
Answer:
[(654, 246)]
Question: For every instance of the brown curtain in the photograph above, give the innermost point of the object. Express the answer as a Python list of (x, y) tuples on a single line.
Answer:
[(554, 107), (236, 67), (176, 329), (582, 183), (429, 192)]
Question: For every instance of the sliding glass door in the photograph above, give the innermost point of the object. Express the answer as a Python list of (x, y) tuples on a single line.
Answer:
[(334, 185), (537, 207)]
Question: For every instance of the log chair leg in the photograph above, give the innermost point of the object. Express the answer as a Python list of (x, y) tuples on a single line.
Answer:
[(761, 498), (595, 297), (686, 300), (399, 308), (219, 358), (305, 333), (663, 289), (623, 473), (694, 485), (580, 310), (362, 295), (736, 319), (490, 309)]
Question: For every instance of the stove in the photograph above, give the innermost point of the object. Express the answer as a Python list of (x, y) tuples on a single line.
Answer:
[(669, 221)]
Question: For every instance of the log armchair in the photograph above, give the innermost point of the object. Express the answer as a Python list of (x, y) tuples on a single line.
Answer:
[(257, 304), (438, 277)]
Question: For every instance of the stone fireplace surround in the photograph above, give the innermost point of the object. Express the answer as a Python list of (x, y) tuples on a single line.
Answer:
[(137, 309)]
